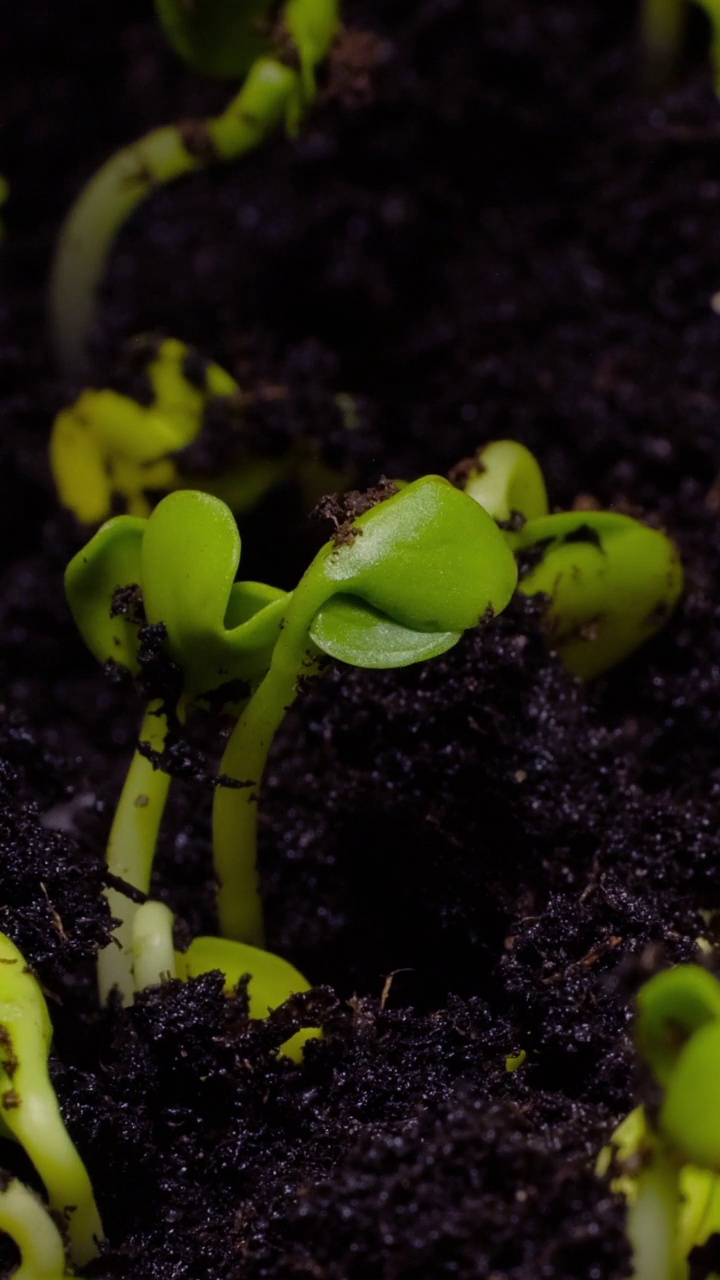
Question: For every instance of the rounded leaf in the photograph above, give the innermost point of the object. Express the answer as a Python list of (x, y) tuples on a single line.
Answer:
[(671, 1007), (190, 554), (220, 38), (111, 559), (505, 478), (690, 1113), (613, 582), (353, 632), (428, 558)]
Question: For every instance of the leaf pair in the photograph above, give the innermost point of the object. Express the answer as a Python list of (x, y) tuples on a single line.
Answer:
[(612, 581), (183, 558)]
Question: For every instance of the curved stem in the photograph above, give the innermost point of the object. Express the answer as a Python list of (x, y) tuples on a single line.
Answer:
[(130, 852), (153, 952), (653, 1223), (26, 1220), (235, 809), (133, 173)]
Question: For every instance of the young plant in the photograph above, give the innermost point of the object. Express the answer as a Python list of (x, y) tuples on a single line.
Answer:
[(217, 633), (271, 980), (30, 1111), (25, 1219), (399, 585), (612, 581), (219, 38), (107, 446), (669, 1156)]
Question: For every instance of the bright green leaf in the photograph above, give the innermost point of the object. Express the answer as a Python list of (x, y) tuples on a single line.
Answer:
[(672, 1006), (351, 631)]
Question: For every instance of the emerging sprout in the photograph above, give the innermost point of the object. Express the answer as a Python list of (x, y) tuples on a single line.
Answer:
[(29, 1107), (613, 582), (221, 38), (218, 632), (398, 586), (25, 1219), (670, 1162), (271, 980)]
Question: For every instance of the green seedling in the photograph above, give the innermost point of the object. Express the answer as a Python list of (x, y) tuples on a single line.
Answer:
[(107, 447), (221, 38), (271, 980), (612, 581), (30, 1111), (25, 1219), (670, 1163), (219, 634), (398, 586)]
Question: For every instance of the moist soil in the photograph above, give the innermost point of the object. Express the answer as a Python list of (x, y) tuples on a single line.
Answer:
[(488, 227)]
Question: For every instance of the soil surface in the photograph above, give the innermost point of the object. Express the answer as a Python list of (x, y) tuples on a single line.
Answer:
[(487, 228)]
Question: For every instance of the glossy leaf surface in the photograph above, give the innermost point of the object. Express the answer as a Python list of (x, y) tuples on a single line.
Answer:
[(351, 631), (428, 558)]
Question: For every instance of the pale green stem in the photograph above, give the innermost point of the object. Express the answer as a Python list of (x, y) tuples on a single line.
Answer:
[(663, 22), (152, 945), (132, 174), (130, 853), (26, 1220), (653, 1223), (235, 809), (42, 1133)]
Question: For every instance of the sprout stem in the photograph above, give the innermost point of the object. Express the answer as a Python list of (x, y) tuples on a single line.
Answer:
[(26, 1220), (235, 809), (130, 852), (653, 1222), (132, 174), (152, 945)]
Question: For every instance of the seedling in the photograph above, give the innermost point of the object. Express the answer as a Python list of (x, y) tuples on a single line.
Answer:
[(219, 38), (669, 1160), (399, 585), (25, 1219), (108, 447), (271, 980), (613, 582), (218, 632), (29, 1109)]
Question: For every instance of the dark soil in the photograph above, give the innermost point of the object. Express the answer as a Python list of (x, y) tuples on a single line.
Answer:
[(496, 232)]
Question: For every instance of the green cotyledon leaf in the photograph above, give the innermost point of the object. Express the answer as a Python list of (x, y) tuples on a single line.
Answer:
[(613, 582), (671, 1007), (428, 558)]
